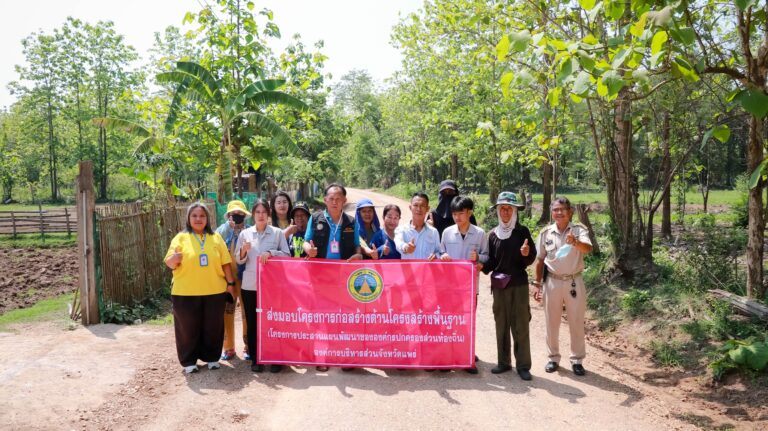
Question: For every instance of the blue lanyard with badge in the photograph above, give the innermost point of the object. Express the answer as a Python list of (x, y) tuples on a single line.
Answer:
[(334, 242), (203, 256)]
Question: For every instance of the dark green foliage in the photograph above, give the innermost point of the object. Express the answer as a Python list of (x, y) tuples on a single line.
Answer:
[(711, 260), (140, 312)]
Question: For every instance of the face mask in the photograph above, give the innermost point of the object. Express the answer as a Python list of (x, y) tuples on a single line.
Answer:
[(238, 218), (564, 251)]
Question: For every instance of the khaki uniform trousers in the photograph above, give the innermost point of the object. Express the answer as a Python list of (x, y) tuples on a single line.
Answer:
[(557, 293)]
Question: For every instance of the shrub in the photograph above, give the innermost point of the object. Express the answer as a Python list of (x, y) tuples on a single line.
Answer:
[(711, 259), (138, 313), (751, 354), (636, 302)]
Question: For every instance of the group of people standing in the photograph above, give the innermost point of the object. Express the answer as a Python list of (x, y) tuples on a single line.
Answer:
[(213, 271)]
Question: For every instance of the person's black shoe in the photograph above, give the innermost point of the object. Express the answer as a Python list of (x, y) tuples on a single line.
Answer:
[(524, 374), (347, 369), (551, 367), (472, 370), (501, 368), (257, 368), (275, 368), (477, 359), (578, 369)]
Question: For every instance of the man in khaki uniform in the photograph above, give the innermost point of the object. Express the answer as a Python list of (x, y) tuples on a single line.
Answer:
[(561, 248)]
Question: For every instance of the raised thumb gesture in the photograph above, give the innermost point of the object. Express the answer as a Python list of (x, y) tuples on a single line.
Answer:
[(525, 249)]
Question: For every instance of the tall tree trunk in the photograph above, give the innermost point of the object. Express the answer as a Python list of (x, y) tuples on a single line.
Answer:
[(546, 200), (104, 170), (622, 199), (755, 227), (454, 167), (52, 153), (666, 166), (79, 120)]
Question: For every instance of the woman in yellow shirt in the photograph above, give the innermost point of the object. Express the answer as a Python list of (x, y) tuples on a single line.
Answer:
[(202, 284)]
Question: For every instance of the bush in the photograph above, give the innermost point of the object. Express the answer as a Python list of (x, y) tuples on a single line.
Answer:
[(711, 260), (725, 325), (750, 354), (636, 302), (740, 210), (138, 313)]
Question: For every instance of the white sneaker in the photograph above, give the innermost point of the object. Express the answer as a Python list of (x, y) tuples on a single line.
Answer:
[(190, 369), (214, 365)]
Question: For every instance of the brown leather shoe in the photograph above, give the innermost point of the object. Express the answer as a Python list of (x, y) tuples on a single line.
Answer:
[(321, 368)]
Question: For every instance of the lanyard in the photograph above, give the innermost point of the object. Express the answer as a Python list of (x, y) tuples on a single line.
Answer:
[(335, 226), (202, 243)]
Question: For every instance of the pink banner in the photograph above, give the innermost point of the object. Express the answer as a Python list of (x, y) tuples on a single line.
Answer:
[(403, 314)]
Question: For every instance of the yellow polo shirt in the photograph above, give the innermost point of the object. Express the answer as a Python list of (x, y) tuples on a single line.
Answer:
[(191, 279)]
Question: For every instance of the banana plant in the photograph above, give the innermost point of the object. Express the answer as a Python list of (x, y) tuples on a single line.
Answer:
[(234, 111)]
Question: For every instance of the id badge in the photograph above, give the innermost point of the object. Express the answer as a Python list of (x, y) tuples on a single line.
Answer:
[(203, 259), (334, 246)]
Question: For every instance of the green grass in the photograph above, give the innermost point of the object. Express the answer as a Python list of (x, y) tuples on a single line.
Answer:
[(716, 197), (667, 354), (45, 310), (166, 319), (33, 240), (32, 207)]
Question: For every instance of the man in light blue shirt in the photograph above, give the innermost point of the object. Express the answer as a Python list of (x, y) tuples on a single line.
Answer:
[(418, 240)]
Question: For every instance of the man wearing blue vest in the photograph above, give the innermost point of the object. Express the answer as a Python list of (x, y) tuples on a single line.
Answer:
[(332, 234)]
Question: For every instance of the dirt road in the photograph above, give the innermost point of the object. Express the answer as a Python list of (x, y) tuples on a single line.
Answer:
[(127, 377)]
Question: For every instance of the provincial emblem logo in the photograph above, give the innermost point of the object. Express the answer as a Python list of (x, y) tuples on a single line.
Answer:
[(365, 285)]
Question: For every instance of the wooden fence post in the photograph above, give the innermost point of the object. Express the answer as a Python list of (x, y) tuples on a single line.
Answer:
[(89, 303), (42, 228), (66, 215), (13, 222)]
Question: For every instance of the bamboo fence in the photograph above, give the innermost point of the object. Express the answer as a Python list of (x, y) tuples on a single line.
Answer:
[(133, 239)]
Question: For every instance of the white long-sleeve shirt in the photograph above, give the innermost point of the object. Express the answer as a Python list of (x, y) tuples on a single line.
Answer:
[(271, 240), (427, 241)]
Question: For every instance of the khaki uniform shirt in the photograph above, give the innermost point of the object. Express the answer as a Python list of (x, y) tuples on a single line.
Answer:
[(551, 240)]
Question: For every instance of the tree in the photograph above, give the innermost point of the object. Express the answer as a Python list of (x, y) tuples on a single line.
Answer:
[(233, 112), (43, 60), (743, 58)]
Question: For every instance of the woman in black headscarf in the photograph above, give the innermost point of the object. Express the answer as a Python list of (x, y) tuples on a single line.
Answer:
[(441, 217)]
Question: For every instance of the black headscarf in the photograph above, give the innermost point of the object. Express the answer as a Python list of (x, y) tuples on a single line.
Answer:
[(441, 216), (443, 209)]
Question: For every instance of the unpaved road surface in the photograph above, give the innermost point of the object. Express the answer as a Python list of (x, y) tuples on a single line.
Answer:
[(128, 378)]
